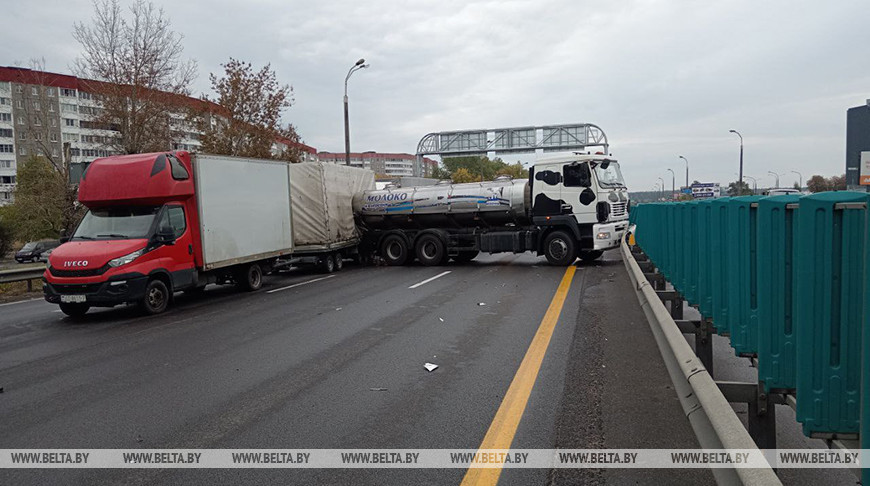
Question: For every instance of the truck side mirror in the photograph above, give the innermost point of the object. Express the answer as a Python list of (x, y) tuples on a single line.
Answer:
[(64, 236), (166, 235)]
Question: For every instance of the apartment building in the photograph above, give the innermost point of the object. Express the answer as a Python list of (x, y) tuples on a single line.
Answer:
[(41, 111)]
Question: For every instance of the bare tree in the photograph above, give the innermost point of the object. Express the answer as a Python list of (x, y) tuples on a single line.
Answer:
[(138, 71), (39, 137), (247, 121)]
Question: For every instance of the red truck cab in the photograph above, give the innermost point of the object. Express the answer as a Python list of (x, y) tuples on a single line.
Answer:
[(139, 241)]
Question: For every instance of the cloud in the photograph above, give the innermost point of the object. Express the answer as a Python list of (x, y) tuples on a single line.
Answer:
[(661, 78)]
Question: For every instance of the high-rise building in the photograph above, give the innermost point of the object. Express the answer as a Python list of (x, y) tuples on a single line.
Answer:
[(857, 144), (41, 111)]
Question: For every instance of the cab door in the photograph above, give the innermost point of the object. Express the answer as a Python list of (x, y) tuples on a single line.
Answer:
[(177, 257), (577, 191)]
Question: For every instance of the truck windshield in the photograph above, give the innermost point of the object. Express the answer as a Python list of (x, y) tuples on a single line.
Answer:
[(609, 175), (115, 223)]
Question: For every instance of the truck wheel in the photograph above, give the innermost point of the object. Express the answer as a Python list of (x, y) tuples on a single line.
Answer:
[(559, 249), (430, 250), (466, 256), (250, 277), (74, 310), (339, 261), (394, 250), (590, 255), (156, 298), (328, 264)]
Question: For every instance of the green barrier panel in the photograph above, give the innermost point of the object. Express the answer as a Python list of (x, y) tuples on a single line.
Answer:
[(742, 275), (670, 253), (705, 259), (719, 267), (690, 251), (830, 267), (777, 224)]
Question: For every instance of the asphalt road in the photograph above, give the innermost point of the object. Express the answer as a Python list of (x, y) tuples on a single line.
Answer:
[(295, 368)]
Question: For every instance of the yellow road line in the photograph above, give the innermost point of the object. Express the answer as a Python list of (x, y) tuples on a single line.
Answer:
[(503, 427)]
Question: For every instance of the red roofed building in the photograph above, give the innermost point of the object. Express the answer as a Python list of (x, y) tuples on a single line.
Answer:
[(66, 105)]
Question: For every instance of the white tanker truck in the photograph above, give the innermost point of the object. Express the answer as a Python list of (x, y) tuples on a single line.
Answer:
[(571, 205)]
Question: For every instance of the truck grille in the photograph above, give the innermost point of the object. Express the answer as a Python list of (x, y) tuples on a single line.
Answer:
[(78, 273), (617, 209)]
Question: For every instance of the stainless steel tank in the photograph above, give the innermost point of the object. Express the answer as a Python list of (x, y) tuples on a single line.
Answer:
[(499, 202)]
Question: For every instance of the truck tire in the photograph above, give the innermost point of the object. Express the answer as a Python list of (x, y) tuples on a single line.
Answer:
[(466, 256), (250, 277), (394, 250), (590, 255), (74, 310), (327, 265), (430, 250), (559, 249), (339, 261), (156, 298)]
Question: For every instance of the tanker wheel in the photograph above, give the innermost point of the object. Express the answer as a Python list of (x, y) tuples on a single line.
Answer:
[(250, 277), (394, 250), (430, 250), (339, 261), (327, 265), (466, 256), (559, 249)]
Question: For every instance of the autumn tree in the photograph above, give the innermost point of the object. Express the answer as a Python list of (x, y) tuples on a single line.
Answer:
[(817, 183), (739, 188), (462, 175), (515, 171), (138, 71), (248, 122), (40, 209)]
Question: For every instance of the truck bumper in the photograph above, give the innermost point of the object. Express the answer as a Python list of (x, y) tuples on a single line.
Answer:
[(119, 289), (607, 236)]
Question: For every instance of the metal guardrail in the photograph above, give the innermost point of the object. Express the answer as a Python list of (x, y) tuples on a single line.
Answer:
[(21, 275), (711, 416)]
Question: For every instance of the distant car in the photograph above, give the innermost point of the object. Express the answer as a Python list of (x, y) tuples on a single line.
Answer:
[(35, 251), (780, 192)]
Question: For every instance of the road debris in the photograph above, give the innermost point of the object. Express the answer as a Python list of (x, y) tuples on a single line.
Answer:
[(377, 389), (441, 319), (430, 367), (481, 303), (338, 308)]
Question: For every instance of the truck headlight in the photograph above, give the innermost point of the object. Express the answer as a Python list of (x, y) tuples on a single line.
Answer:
[(117, 262)]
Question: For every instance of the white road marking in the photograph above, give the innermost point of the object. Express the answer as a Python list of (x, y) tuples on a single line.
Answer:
[(424, 282), (20, 302), (300, 283)]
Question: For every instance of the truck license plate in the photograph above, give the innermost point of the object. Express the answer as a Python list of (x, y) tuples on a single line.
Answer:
[(78, 299)]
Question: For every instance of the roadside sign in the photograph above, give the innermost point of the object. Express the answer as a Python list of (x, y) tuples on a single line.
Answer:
[(865, 169), (706, 190)]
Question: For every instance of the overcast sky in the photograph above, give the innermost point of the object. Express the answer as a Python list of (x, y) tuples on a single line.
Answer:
[(662, 78)]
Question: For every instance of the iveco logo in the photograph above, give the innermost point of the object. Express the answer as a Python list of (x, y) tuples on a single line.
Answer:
[(80, 263)]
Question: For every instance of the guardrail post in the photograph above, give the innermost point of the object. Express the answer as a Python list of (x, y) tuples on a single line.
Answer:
[(30, 285), (677, 308), (704, 344), (762, 420)]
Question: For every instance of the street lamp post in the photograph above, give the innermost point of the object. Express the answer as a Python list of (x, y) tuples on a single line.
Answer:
[(356, 67), (673, 183), (800, 180), (687, 170), (663, 187), (754, 184), (774, 174), (741, 155)]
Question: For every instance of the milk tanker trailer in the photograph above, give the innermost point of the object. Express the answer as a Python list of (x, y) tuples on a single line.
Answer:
[(571, 206)]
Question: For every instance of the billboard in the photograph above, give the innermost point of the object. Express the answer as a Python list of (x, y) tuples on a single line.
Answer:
[(706, 190), (864, 179)]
